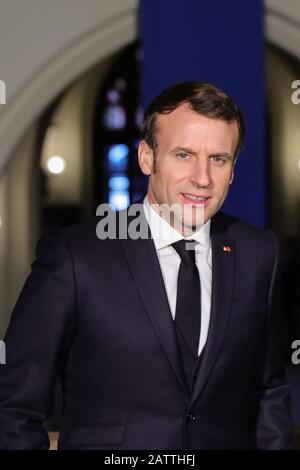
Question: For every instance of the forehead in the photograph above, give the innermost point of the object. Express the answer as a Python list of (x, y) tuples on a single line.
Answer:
[(184, 126)]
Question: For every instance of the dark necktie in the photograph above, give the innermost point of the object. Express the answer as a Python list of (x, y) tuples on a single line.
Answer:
[(188, 305)]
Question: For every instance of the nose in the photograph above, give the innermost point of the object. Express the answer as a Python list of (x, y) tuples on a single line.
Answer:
[(200, 175)]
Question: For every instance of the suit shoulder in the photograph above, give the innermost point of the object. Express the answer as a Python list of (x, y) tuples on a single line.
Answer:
[(82, 230), (78, 237), (84, 237)]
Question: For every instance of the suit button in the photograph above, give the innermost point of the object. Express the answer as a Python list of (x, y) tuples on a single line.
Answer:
[(191, 417)]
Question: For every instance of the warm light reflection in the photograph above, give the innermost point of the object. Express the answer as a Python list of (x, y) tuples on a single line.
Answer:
[(56, 164)]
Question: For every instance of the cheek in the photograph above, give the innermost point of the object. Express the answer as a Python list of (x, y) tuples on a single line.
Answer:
[(167, 178), (160, 184), (222, 183)]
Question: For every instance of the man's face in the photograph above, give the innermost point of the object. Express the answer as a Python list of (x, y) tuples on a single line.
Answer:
[(194, 162)]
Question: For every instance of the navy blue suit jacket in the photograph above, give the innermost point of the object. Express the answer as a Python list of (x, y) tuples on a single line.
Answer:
[(96, 312)]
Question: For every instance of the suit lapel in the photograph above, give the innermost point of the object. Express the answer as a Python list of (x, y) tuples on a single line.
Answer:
[(145, 269), (223, 274)]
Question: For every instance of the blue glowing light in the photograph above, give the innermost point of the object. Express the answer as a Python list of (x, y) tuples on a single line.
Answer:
[(118, 183), (118, 157), (119, 200)]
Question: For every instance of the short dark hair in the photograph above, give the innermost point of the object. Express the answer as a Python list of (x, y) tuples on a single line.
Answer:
[(203, 98)]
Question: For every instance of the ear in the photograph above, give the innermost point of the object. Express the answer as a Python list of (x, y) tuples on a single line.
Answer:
[(232, 176), (145, 156)]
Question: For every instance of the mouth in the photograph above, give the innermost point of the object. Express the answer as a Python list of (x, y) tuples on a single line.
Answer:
[(195, 198)]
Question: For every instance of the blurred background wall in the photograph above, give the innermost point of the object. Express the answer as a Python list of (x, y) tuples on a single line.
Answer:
[(77, 74)]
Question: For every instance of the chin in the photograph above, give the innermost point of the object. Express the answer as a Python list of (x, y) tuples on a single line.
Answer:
[(193, 224)]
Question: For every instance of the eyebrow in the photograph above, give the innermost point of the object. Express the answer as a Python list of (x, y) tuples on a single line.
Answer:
[(192, 152)]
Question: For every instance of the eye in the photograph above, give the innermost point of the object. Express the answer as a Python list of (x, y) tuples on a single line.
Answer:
[(182, 155), (218, 159)]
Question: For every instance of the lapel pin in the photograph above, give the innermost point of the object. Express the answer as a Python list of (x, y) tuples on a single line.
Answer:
[(226, 248)]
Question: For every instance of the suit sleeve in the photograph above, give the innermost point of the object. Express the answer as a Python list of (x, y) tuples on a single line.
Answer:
[(41, 328), (274, 425)]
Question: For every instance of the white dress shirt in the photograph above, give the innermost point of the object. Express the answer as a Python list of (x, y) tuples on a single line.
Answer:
[(163, 236)]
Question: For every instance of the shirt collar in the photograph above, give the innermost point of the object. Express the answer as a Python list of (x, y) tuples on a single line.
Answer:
[(164, 234)]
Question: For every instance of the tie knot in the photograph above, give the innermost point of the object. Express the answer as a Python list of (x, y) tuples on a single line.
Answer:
[(186, 250)]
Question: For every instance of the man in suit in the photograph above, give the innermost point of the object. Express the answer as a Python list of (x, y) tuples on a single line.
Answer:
[(165, 342)]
